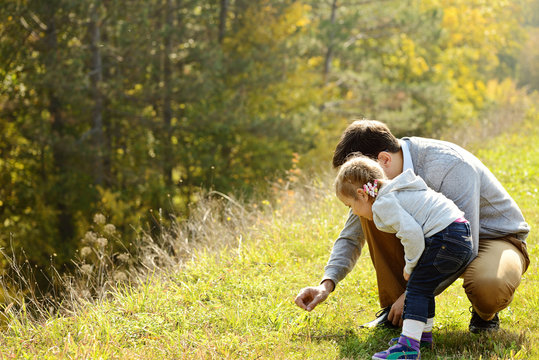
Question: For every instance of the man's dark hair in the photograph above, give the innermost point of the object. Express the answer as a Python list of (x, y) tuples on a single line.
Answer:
[(368, 137)]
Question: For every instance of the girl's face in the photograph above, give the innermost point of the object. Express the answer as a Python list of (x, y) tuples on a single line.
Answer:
[(361, 206)]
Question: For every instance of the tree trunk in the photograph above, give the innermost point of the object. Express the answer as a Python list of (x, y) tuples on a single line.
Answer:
[(167, 94), (96, 77), (222, 20), (329, 53), (60, 149)]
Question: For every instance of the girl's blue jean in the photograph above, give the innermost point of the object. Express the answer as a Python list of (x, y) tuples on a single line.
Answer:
[(445, 254)]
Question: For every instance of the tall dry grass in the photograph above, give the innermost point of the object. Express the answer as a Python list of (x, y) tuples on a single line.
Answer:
[(216, 221)]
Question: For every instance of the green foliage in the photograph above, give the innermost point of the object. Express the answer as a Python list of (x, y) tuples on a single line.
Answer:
[(173, 111)]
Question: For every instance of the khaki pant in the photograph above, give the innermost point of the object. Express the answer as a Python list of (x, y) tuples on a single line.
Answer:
[(490, 280)]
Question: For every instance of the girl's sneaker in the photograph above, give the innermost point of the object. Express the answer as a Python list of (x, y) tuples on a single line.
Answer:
[(425, 343), (405, 348)]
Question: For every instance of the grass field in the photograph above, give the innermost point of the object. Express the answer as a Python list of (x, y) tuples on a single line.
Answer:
[(237, 302)]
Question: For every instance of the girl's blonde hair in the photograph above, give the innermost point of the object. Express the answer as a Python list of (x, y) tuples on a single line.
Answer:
[(357, 171)]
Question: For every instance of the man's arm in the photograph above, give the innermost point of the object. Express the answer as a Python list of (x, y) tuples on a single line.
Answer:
[(344, 255), (346, 250)]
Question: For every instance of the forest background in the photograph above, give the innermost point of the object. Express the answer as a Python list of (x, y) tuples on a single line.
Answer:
[(138, 110)]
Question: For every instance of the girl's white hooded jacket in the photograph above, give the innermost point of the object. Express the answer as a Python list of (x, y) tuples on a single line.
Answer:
[(407, 207)]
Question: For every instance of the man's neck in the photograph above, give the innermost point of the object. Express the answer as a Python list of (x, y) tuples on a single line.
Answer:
[(400, 162), (396, 165)]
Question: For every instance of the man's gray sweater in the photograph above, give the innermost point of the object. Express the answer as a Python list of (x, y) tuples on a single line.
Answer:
[(461, 177)]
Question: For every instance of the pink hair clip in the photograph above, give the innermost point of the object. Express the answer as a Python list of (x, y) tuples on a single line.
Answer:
[(371, 189)]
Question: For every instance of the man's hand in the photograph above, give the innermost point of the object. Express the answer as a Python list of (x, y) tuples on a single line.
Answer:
[(311, 296), (395, 314)]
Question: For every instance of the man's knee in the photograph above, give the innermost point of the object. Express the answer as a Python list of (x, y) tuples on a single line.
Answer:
[(492, 278), (490, 295)]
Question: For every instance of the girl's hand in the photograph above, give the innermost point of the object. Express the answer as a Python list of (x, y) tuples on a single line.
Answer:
[(405, 275)]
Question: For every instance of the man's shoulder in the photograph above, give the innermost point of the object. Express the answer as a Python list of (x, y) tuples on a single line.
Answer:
[(417, 142), (434, 159), (433, 152)]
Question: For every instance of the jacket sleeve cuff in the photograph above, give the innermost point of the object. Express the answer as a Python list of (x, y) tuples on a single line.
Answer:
[(409, 268), (334, 280)]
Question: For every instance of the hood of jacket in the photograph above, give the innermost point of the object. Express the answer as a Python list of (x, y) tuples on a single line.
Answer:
[(406, 181)]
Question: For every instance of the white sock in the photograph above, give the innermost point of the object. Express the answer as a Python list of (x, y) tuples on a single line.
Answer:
[(430, 324), (413, 328)]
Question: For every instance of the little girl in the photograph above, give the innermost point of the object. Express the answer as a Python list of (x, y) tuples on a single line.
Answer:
[(435, 236)]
